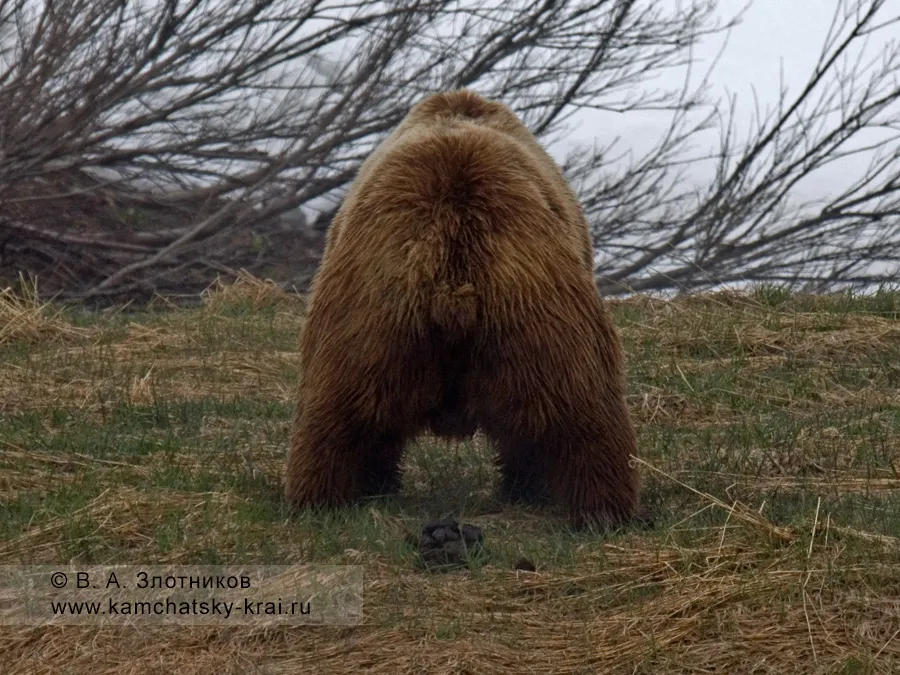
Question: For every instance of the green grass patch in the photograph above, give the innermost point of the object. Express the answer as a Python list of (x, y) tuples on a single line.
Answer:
[(769, 426)]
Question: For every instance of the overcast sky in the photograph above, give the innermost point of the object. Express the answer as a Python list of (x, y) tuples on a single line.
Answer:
[(773, 35)]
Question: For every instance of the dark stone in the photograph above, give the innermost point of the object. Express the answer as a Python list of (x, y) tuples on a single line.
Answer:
[(443, 545), (472, 535), (525, 564), (444, 523)]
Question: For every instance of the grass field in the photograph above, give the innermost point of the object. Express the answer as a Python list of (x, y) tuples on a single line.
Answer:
[(769, 446)]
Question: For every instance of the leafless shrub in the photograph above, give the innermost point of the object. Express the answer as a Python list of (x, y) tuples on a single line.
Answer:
[(151, 145), (748, 223)]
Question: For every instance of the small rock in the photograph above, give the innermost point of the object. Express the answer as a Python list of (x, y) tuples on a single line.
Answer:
[(443, 523), (443, 545), (472, 535), (525, 564)]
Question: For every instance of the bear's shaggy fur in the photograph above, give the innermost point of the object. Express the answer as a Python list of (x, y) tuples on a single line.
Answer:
[(456, 293)]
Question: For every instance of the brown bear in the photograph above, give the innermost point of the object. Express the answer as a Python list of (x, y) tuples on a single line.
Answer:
[(456, 293)]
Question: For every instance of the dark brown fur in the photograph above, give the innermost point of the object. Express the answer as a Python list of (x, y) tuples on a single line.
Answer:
[(456, 293)]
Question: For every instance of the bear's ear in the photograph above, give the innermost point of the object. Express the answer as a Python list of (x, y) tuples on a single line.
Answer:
[(468, 104), (462, 103)]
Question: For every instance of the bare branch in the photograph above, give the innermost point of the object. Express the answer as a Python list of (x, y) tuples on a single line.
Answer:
[(147, 146)]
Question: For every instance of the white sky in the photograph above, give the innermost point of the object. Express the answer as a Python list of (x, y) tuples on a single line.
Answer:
[(773, 35)]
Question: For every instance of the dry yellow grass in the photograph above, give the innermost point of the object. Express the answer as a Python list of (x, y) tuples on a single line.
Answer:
[(246, 288), (750, 595), (24, 318)]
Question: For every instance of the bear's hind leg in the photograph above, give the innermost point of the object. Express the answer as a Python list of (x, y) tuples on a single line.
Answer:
[(522, 473), (382, 465), (590, 477), (335, 464), (593, 478), (554, 404)]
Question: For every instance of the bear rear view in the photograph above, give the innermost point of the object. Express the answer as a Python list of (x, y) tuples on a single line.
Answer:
[(456, 293)]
